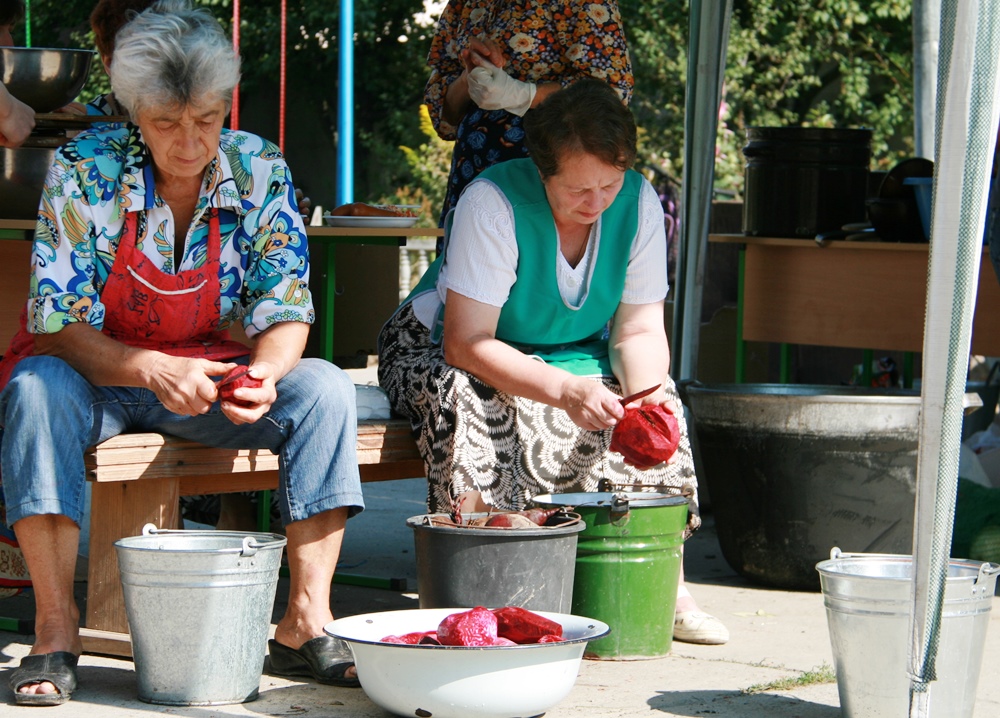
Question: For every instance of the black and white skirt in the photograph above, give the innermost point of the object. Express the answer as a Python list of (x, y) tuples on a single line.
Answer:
[(474, 437)]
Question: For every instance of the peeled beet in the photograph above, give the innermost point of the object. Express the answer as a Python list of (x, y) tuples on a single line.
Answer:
[(476, 627), (523, 626), (236, 378), (413, 639), (647, 435)]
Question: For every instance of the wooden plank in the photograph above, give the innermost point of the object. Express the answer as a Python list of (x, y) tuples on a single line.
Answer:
[(130, 457), (16, 257), (851, 297), (119, 510), (107, 643), (228, 483), (411, 469)]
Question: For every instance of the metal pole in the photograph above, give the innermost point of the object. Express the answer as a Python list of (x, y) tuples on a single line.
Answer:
[(234, 113), (926, 41), (708, 37), (283, 76), (345, 106)]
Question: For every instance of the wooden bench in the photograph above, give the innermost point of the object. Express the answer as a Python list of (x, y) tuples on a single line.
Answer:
[(138, 479)]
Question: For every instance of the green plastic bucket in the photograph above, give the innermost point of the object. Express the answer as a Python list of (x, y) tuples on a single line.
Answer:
[(628, 563)]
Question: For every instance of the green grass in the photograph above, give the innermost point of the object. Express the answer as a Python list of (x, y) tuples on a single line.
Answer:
[(821, 674)]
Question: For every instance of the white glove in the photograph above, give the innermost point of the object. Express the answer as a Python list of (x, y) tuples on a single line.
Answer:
[(493, 89)]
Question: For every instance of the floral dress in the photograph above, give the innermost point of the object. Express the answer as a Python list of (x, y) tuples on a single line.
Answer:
[(543, 42)]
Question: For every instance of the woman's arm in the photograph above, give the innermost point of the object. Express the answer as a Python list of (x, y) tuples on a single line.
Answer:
[(470, 344), (640, 355), (17, 120), (183, 385)]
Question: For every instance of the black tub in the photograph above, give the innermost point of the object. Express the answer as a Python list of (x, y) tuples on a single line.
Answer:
[(794, 470)]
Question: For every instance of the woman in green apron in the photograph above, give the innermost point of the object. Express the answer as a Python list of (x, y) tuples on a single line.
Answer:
[(554, 274)]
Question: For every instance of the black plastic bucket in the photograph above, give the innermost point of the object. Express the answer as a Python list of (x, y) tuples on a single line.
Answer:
[(462, 567), (801, 181)]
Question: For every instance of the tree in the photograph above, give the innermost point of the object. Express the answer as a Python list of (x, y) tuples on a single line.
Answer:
[(818, 63), (821, 63)]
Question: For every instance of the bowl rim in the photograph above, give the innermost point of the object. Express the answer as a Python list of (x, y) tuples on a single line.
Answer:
[(600, 628), (30, 50)]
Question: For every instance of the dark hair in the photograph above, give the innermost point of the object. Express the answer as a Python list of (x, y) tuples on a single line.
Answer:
[(11, 12), (107, 18), (588, 116)]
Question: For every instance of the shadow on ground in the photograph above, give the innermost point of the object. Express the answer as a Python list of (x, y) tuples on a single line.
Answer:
[(733, 704)]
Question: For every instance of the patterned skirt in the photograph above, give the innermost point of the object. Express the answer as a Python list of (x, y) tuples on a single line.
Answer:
[(474, 437)]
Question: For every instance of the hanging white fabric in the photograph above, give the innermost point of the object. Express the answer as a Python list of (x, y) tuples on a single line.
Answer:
[(966, 130)]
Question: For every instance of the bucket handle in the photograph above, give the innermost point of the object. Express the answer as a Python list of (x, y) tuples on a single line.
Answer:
[(250, 544), (986, 570)]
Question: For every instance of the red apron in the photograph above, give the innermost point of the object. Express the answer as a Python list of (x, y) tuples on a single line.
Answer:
[(144, 307)]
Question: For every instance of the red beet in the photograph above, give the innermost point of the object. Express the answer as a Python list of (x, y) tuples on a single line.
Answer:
[(413, 638), (540, 516), (510, 520), (476, 627), (520, 519), (647, 435), (236, 378), (550, 639), (523, 626)]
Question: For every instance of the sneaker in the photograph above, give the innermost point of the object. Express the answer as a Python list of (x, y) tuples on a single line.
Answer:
[(698, 627)]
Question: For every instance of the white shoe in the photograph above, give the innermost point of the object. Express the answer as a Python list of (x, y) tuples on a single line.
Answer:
[(699, 627)]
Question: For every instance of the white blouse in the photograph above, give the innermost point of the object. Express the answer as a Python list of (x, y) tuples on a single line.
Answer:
[(481, 260)]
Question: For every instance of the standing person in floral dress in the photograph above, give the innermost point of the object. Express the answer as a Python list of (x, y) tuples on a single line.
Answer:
[(492, 61)]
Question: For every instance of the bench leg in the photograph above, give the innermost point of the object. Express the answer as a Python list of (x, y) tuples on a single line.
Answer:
[(120, 509)]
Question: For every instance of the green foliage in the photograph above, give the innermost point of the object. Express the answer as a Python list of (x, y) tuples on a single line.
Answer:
[(813, 63), (429, 164), (821, 63)]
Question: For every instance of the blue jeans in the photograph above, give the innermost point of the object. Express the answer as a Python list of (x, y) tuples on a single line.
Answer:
[(50, 415)]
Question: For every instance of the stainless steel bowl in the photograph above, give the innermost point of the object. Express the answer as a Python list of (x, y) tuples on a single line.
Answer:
[(22, 176), (44, 78)]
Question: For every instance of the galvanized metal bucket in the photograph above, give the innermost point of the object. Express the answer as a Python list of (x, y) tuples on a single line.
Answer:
[(628, 563), (199, 607), (868, 606)]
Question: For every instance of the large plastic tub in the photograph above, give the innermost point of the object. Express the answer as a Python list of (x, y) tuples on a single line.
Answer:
[(794, 469)]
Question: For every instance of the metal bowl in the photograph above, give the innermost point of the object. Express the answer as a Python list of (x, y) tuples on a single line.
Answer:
[(44, 78), (460, 681), (22, 176)]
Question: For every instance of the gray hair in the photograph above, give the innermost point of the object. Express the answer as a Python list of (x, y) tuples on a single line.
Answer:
[(173, 55)]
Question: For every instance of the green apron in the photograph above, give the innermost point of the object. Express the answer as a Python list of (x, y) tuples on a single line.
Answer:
[(535, 319)]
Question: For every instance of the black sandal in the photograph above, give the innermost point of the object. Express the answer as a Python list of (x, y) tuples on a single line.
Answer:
[(58, 668), (325, 659)]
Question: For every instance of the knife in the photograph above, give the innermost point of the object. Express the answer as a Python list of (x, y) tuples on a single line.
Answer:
[(638, 395)]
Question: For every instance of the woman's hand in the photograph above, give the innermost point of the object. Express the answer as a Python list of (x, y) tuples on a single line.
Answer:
[(183, 385), (590, 405), (493, 89), (480, 52), (257, 401)]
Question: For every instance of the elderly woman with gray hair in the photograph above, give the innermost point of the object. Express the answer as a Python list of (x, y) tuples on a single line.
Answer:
[(152, 239)]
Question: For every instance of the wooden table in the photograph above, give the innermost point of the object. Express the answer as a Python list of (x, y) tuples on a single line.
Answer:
[(868, 295), (17, 256)]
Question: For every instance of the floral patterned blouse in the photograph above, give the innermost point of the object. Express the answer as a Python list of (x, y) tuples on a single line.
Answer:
[(543, 41), (100, 175)]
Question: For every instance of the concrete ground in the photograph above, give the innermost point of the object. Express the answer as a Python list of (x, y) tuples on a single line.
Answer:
[(776, 636), (779, 643)]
